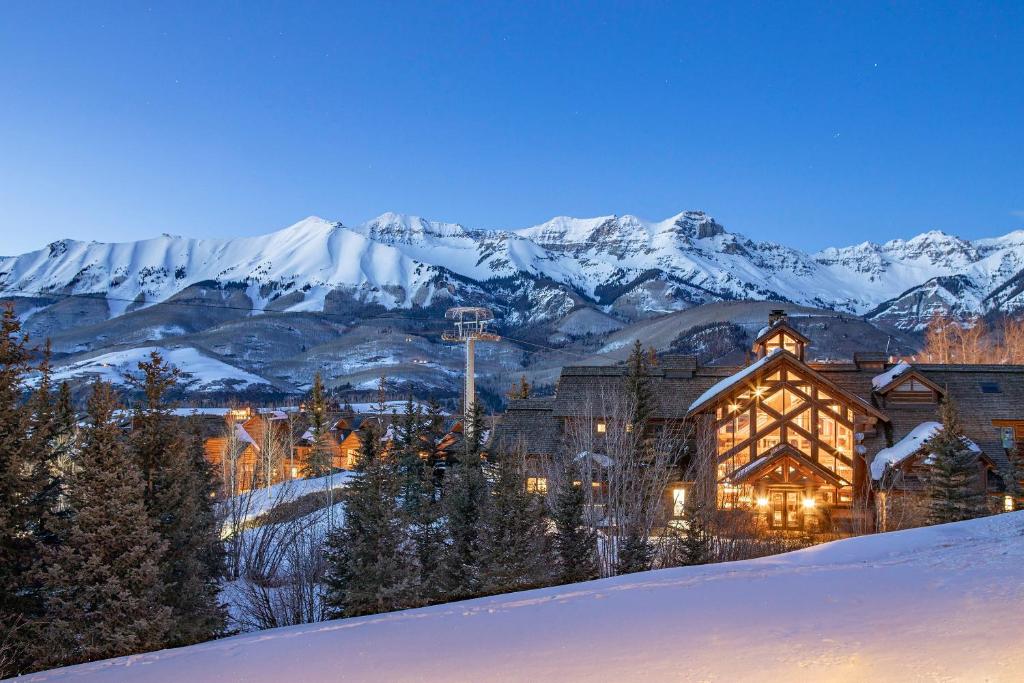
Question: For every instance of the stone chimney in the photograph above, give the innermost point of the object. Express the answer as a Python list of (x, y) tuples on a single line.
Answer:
[(776, 316)]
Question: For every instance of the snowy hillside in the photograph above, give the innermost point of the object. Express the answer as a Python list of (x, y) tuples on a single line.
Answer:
[(619, 264), (941, 603), (200, 373)]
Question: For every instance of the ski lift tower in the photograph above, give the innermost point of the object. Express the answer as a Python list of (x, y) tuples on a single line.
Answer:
[(470, 327)]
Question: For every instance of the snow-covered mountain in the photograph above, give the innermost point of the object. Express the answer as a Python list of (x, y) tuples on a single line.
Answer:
[(622, 265)]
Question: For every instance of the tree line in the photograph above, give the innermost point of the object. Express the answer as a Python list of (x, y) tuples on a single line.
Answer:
[(109, 543)]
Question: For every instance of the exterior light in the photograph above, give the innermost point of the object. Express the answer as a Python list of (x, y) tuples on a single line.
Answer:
[(734, 407), (758, 391), (809, 503), (762, 502)]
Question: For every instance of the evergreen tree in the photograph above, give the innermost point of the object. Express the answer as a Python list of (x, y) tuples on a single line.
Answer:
[(371, 569), (416, 453), (1013, 477), (638, 386), (179, 483), (575, 542), (102, 584), (465, 497), (320, 459), (634, 554), (16, 546), (953, 490), (515, 551), (696, 542)]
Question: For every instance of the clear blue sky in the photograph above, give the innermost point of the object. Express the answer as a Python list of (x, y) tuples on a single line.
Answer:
[(807, 123)]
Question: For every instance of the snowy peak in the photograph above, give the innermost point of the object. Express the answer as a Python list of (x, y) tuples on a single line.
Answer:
[(626, 266)]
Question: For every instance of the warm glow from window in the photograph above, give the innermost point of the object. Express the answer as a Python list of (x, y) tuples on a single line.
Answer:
[(1008, 503), (295, 472), (601, 427), (678, 502), (536, 484)]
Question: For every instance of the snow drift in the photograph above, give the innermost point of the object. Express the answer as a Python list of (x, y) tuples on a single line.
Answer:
[(940, 603)]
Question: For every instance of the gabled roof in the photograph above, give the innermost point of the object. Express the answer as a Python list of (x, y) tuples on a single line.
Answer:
[(772, 330), (785, 450), (912, 445), (897, 375), (767, 364)]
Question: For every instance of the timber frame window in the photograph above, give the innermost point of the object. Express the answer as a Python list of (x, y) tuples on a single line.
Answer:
[(786, 428)]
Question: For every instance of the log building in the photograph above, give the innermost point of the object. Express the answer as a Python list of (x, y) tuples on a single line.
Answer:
[(809, 446)]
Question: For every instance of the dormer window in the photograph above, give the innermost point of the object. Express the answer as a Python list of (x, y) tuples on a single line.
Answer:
[(911, 390)]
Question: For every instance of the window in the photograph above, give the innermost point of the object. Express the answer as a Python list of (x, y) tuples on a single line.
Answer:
[(536, 484), (1008, 503), (678, 502), (295, 472), (602, 427), (990, 388)]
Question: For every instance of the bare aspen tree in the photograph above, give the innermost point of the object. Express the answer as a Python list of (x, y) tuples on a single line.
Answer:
[(624, 470)]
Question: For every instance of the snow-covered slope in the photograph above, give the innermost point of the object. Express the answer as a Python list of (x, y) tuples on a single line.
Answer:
[(623, 265), (941, 603), (200, 373)]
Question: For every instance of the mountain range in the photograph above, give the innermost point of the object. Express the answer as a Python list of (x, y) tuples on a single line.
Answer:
[(549, 284)]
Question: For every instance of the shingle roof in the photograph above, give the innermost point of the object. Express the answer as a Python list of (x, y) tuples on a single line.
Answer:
[(535, 424)]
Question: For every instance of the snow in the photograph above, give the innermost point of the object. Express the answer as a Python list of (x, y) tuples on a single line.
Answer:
[(880, 382), (732, 380), (395, 260), (259, 502), (904, 448), (203, 373), (908, 446), (389, 406), (938, 603)]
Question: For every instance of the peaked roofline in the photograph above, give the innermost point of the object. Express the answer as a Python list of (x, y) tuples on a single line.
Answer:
[(766, 365), (904, 376), (785, 450), (780, 325)]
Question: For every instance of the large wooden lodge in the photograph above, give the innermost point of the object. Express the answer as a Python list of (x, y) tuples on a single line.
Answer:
[(808, 446)]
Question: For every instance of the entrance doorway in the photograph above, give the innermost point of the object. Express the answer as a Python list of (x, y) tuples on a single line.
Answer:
[(785, 510)]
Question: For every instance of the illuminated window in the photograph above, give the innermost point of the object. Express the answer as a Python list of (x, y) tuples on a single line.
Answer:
[(602, 427), (295, 472), (678, 502), (536, 484), (1008, 503)]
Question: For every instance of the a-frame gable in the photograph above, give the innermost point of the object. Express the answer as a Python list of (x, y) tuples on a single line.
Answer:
[(752, 375), (893, 383), (785, 451)]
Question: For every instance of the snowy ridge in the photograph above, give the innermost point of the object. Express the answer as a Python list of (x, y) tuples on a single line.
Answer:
[(623, 264), (937, 603)]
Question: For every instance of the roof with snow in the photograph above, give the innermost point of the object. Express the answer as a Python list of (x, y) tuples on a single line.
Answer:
[(910, 445), (881, 382), (732, 380)]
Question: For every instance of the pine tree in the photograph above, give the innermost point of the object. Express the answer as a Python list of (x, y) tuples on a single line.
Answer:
[(515, 550), (320, 459), (1013, 477), (634, 554), (415, 449), (953, 490), (371, 569), (696, 542), (465, 497), (575, 542), (179, 483), (102, 584), (16, 547), (638, 387)]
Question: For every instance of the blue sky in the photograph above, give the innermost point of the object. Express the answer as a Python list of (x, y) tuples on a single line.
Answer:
[(806, 123)]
